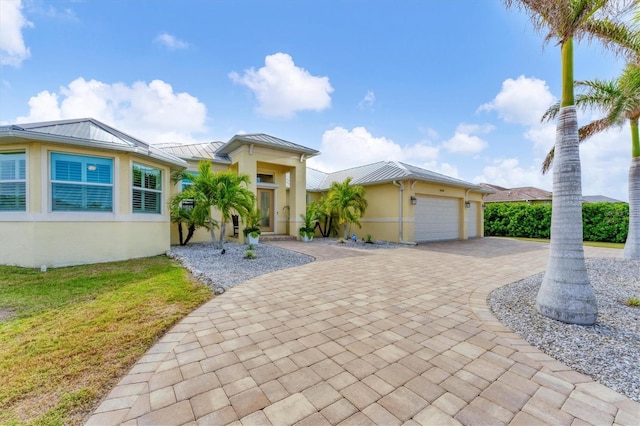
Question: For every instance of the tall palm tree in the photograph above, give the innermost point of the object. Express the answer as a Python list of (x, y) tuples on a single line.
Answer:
[(566, 293), (619, 99), (347, 202)]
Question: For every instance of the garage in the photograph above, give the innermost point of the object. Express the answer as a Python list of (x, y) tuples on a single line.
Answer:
[(472, 220), (437, 219)]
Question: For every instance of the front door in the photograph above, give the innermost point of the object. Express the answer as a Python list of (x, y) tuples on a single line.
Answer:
[(265, 204)]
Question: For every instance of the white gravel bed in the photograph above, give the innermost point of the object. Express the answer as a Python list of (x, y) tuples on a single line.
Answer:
[(609, 351), (222, 271)]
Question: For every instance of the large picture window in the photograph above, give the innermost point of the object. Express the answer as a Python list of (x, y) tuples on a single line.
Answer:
[(13, 181), (147, 189), (81, 183)]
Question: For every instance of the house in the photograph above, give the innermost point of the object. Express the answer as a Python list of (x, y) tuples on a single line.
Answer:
[(79, 191), (599, 199), (524, 194)]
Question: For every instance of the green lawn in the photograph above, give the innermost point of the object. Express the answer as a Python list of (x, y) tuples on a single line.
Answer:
[(586, 243), (73, 332)]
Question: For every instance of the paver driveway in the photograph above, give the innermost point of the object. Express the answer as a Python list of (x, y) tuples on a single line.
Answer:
[(385, 337)]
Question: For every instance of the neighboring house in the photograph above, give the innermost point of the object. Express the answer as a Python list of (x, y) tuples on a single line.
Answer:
[(79, 191), (600, 199), (524, 194)]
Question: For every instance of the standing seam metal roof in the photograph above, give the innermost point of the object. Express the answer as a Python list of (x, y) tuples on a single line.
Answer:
[(265, 140), (382, 172), (92, 133)]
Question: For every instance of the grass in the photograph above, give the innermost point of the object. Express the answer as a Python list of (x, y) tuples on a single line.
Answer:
[(586, 243), (73, 332)]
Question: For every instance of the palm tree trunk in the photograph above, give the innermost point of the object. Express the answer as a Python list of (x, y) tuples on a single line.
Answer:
[(212, 231), (344, 231), (632, 246), (223, 228), (566, 294)]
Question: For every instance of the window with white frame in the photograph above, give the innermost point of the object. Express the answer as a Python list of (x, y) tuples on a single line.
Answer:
[(147, 189), (81, 183), (13, 182)]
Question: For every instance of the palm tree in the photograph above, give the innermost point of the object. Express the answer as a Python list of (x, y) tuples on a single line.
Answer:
[(347, 202), (233, 196), (223, 191), (566, 293), (619, 99)]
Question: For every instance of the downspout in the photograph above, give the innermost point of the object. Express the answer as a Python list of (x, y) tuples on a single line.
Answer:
[(400, 233)]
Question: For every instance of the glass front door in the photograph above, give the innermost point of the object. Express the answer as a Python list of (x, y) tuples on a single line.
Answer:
[(265, 204)]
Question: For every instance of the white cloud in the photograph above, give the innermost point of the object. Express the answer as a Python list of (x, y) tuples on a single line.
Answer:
[(368, 100), (463, 142), (521, 101), (152, 112), (170, 42), (509, 173), (342, 149), (282, 88), (12, 47)]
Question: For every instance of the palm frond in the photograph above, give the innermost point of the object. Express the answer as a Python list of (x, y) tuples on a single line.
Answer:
[(548, 161), (551, 113)]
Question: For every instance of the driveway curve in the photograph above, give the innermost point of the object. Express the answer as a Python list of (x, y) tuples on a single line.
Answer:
[(388, 337)]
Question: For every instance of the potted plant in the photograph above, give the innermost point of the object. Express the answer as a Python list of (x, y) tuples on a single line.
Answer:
[(307, 230), (252, 229)]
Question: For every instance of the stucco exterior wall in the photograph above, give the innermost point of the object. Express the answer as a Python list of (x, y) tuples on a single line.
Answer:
[(40, 236)]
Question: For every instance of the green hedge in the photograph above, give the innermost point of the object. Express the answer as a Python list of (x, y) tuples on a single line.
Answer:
[(606, 222)]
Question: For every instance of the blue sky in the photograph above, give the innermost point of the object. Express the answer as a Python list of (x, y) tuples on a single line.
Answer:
[(456, 87)]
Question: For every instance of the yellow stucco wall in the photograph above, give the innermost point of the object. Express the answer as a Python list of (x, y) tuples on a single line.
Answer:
[(381, 219), (40, 236)]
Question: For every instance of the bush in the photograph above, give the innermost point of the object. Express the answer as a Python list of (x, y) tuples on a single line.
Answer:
[(602, 222)]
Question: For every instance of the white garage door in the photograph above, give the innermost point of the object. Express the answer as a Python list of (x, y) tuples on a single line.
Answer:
[(472, 220), (437, 218)]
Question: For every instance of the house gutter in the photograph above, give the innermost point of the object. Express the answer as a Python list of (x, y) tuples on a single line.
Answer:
[(400, 234)]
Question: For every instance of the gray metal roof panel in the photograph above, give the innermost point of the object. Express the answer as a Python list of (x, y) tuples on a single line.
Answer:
[(198, 151), (265, 140), (388, 171), (90, 133)]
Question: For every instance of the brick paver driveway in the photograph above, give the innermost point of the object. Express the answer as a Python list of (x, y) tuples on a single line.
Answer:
[(382, 337)]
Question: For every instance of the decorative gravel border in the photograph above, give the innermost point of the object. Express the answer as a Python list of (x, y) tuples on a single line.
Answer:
[(609, 351)]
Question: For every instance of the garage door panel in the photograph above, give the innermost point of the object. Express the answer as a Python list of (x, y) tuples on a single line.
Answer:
[(437, 219)]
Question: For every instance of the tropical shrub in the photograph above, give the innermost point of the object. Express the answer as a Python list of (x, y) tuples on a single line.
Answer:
[(602, 222)]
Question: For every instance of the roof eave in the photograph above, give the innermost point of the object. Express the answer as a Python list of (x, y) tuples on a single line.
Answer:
[(87, 143)]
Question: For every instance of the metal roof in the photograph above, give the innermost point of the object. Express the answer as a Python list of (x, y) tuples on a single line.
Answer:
[(267, 141), (196, 151), (384, 172), (86, 132)]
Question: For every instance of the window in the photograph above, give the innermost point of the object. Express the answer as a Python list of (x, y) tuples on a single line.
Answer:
[(186, 183), (13, 181), (81, 183), (147, 189)]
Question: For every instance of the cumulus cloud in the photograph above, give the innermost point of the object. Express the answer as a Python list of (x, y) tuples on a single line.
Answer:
[(368, 100), (170, 42), (151, 111), (464, 142), (282, 88), (521, 101), (13, 49), (342, 148), (510, 174)]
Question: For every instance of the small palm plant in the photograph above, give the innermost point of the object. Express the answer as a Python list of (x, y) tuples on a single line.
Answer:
[(308, 229)]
